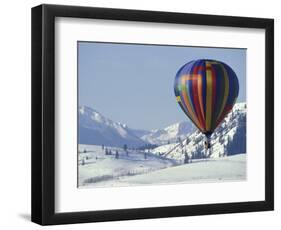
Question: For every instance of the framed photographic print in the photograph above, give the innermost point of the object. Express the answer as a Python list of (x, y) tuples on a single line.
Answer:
[(142, 114)]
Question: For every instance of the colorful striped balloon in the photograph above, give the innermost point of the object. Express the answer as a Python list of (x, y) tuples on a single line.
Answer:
[(206, 90)]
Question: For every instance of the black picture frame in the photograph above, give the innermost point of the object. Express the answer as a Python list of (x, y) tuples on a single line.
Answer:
[(43, 114)]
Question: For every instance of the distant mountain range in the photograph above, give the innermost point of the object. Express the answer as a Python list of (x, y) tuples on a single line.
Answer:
[(96, 129), (169, 134), (229, 137)]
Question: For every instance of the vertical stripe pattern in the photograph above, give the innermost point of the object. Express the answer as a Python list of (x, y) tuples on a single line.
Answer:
[(206, 91)]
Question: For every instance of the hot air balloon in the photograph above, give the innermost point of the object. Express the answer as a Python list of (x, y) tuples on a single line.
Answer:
[(206, 91)]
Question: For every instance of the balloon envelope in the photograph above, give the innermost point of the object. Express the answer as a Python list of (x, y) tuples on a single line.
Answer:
[(206, 90)]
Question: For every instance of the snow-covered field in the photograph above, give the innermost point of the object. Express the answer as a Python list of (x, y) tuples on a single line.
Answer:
[(232, 168), (138, 168), (95, 167)]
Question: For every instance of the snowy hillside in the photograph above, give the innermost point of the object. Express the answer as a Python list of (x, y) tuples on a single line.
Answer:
[(169, 134), (228, 139), (96, 129), (96, 167)]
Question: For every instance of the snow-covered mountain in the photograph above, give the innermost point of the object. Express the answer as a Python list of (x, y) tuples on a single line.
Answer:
[(95, 129), (228, 139), (140, 132), (169, 134)]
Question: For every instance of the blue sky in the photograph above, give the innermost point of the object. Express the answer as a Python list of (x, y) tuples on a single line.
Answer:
[(133, 84)]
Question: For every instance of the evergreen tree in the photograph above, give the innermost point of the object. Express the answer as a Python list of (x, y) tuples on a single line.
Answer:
[(125, 147), (116, 154), (186, 158)]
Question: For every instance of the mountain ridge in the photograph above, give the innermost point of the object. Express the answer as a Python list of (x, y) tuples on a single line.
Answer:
[(96, 129)]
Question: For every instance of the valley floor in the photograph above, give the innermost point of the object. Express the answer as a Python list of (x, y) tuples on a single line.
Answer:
[(95, 169)]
